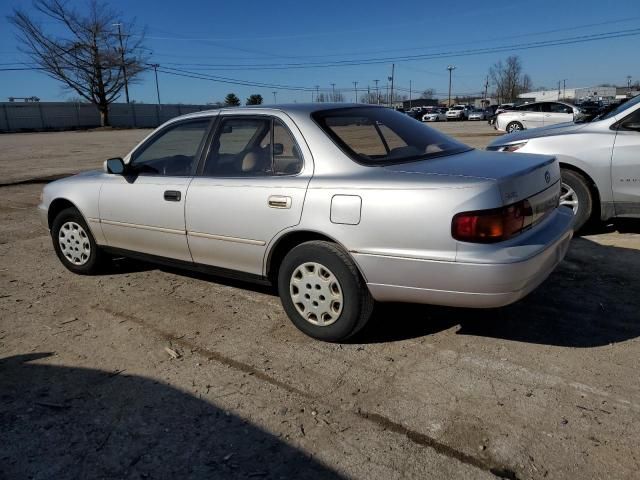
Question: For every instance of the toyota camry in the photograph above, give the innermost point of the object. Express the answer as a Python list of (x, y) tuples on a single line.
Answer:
[(337, 206)]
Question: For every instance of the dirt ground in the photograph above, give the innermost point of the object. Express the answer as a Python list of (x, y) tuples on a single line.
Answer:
[(89, 386)]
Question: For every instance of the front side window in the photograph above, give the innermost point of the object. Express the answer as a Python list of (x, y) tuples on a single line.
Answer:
[(173, 152), (375, 135), (252, 146), (560, 108)]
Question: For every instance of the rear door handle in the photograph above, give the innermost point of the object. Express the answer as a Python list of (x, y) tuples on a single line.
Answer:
[(279, 201), (172, 195)]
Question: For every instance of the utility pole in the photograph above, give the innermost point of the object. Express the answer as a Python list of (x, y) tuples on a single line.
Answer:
[(629, 83), (387, 92), (393, 67), (333, 92), (564, 89), (451, 68), (355, 87), (368, 94), (155, 69), (486, 91), (409, 94), (317, 94), (124, 68), (377, 92), (274, 96), (559, 91)]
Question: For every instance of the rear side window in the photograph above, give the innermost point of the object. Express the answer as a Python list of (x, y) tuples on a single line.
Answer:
[(532, 107), (252, 146), (375, 135)]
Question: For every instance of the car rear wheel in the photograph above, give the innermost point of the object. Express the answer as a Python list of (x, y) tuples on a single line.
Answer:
[(514, 127), (575, 194), (323, 292), (74, 244)]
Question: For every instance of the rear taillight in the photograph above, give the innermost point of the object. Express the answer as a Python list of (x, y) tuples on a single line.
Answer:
[(495, 225)]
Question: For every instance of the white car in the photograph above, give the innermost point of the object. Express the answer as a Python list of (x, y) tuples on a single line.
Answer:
[(534, 115), (599, 161), (435, 116), (458, 112)]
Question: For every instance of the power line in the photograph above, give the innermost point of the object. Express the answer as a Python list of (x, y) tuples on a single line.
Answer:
[(426, 56)]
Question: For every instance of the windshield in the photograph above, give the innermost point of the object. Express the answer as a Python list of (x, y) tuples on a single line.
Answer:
[(379, 136), (621, 108)]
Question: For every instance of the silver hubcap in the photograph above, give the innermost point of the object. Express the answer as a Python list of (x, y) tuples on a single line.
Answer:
[(514, 127), (316, 294), (568, 197), (74, 243)]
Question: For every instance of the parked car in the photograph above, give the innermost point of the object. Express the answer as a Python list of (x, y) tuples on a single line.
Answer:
[(535, 115), (478, 114), (435, 115), (458, 112), (336, 205), (599, 161)]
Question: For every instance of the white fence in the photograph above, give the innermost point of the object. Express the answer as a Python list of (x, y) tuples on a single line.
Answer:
[(40, 116)]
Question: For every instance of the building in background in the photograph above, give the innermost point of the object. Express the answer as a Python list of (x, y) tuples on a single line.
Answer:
[(572, 94)]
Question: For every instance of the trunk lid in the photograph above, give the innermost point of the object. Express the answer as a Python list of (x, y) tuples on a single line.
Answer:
[(519, 176)]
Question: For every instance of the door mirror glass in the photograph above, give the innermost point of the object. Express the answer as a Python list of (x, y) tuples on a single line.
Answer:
[(115, 166)]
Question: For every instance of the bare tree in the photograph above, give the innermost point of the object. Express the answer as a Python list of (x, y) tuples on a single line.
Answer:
[(509, 79), (90, 58), (428, 93)]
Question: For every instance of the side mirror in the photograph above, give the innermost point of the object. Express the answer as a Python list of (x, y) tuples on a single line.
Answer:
[(278, 149), (115, 166)]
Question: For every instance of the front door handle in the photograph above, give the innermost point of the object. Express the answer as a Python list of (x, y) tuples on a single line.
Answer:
[(172, 195), (279, 201)]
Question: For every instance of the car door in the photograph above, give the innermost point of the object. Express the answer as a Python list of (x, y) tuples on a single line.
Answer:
[(530, 115), (250, 187), (556, 113), (143, 210), (625, 166)]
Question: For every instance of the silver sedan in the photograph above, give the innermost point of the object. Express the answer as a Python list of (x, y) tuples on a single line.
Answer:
[(599, 161), (336, 205)]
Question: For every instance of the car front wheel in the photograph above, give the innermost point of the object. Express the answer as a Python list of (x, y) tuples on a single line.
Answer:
[(323, 292), (74, 244), (575, 194)]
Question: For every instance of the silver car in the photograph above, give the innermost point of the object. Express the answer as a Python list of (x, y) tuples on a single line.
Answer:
[(599, 161), (336, 205), (535, 115)]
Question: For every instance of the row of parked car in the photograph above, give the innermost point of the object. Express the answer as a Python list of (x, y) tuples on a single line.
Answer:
[(456, 112), (509, 117)]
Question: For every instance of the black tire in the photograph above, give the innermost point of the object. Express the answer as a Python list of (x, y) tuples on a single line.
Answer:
[(357, 302), (514, 127), (580, 186), (95, 259)]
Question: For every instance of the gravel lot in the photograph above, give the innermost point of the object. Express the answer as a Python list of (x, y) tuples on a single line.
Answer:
[(90, 388)]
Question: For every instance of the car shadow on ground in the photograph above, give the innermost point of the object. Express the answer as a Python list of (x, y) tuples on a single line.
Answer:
[(60, 422), (589, 301)]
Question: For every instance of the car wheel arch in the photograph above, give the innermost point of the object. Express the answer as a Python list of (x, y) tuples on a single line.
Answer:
[(593, 188), (58, 205), (289, 240)]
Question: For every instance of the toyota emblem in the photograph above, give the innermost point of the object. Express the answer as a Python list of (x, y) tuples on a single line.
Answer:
[(547, 176)]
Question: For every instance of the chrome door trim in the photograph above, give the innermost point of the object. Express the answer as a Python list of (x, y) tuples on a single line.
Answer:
[(143, 227), (247, 241)]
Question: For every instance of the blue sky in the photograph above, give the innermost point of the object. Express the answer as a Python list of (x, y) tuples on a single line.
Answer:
[(181, 34)]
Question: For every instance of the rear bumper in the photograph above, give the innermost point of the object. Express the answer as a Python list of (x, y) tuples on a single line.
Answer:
[(472, 285)]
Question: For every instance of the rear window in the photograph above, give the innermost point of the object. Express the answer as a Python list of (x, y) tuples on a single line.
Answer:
[(380, 136)]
